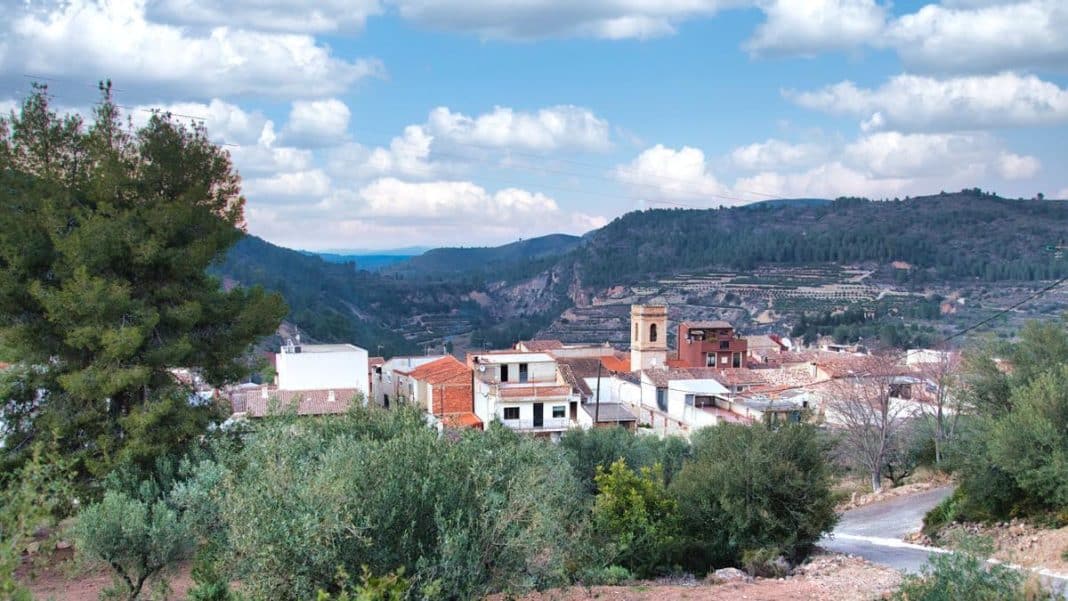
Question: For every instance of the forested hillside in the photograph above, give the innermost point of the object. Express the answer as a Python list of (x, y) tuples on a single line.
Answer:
[(968, 234)]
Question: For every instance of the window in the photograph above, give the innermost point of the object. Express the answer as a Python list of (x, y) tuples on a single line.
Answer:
[(522, 372), (724, 359), (710, 360), (661, 398), (504, 373), (635, 332), (511, 413), (559, 411), (652, 332), (724, 344), (689, 400), (737, 361)]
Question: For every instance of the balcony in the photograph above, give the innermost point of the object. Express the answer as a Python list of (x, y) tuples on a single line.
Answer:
[(549, 424)]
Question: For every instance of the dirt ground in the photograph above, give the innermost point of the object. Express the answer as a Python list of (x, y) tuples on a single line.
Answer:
[(1021, 543), (66, 581), (825, 578)]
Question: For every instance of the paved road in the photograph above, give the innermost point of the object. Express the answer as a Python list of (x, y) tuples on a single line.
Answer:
[(875, 532)]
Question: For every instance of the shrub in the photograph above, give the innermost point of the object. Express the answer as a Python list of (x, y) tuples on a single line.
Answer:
[(137, 539), (634, 517), (965, 575), (391, 587), (752, 488), (607, 576), (488, 511)]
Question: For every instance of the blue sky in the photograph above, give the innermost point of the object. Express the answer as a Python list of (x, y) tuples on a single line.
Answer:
[(386, 123)]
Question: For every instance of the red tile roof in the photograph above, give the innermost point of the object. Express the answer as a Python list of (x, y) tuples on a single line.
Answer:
[(462, 420), (376, 361), (616, 364), (441, 371), (542, 345), (305, 402)]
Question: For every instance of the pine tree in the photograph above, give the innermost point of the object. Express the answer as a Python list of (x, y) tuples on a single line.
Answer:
[(105, 236)]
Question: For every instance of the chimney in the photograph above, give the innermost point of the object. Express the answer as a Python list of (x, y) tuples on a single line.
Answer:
[(330, 397), (263, 392)]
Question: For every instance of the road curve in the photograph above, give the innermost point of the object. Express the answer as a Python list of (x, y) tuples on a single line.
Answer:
[(876, 532)]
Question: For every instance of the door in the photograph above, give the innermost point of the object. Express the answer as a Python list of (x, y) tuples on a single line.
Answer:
[(539, 415)]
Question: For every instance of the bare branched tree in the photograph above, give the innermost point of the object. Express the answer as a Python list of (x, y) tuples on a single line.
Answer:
[(861, 403), (943, 400)]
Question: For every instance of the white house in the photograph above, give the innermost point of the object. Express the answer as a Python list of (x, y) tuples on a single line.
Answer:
[(322, 367), (523, 391), (679, 401), (392, 382)]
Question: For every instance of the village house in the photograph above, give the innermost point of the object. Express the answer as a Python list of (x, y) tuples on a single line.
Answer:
[(587, 376), (522, 391), (390, 380), (444, 390), (312, 379), (711, 344)]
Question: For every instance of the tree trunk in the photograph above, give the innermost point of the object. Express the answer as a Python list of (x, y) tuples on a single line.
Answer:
[(876, 479)]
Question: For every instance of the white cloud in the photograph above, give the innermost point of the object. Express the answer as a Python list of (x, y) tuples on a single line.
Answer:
[(669, 173), (226, 123), (1013, 166), (829, 180), (775, 154), (308, 184), (551, 128), (1062, 195), (317, 122), (811, 26), (7, 107), (983, 36), (91, 40), (316, 16), (406, 155), (911, 102), (531, 19), (897, 155), (455, 201)]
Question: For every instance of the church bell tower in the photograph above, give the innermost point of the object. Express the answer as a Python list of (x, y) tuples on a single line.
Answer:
[(648, 336)]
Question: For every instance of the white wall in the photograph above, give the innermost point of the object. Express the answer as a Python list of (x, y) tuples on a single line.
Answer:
[(323, 370)]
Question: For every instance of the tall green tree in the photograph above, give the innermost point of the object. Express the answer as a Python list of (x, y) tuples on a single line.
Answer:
[(105, 235)]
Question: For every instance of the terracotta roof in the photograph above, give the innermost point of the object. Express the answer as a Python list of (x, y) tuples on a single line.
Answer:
[(738, 376), (676, 363), (577, 383), (513, 392), (305, 402), (617, 364), (661, 377), (714, 324), (461, 420), (376, 361), (440, 371), (542, 345)]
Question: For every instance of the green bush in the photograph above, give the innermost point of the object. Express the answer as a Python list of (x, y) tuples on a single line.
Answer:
[(752, 488), (137, 539), (965, 575), (607, 576), (391, 587), (489, 511), (587, 450), (634, 518)]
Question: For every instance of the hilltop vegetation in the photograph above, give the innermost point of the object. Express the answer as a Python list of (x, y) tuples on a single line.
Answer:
[(480, 291)]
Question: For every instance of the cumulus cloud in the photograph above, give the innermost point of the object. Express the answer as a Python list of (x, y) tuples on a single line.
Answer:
[(531, 19), (552, 128), (88, 39), (675, 174), (813, 26), (310, 183), (226, 122), (316, 123), (775, 154), (452, 200), (912, 102), (317, 16), (983, 36), (1013, 166)]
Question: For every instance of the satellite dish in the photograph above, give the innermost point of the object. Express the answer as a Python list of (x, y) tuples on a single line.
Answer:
[(482, 368)]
